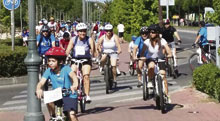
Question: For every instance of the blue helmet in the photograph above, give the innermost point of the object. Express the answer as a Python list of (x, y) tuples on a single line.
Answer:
[(134, 37)]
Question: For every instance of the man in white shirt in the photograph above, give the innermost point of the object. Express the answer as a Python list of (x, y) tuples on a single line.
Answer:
[(120, 28), (38, 27), (52, 23)]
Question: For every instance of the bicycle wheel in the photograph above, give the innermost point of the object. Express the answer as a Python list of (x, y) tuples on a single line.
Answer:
[(194, 61), (145, 88), (82, 101), (131, 70), (161, 93), (106, 78)]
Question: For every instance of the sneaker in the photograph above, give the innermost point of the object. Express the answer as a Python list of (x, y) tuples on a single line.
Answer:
[(149, 84), (100, 69), (168, 99), (114, 84), (88, 99), (140, 83), (52, 119)]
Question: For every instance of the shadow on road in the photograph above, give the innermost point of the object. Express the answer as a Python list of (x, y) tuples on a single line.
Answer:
[(120, 88), (168, 108), (96, 110)]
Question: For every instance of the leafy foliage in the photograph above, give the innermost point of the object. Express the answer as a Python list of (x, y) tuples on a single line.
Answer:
[(12, 62), (206, 79)]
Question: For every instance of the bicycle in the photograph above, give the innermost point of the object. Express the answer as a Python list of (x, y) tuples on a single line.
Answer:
[(195, 60), (159, 95), (133, 67), (59, 107), (81, 90), (170, 64), (145, 81), (108, 75)]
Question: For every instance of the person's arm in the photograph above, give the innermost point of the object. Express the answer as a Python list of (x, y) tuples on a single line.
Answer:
[(177, 36), (117, 44), (39, 90), (70, 46), (100, 41), (197, 39), (38, 39), (61, 45), (134, 54), (92, 45), (53, 39), (74, 79)]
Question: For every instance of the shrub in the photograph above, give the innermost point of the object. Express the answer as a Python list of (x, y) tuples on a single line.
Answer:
[(12, 62), (206, 79)]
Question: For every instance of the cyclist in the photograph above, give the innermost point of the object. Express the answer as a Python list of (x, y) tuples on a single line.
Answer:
[(45, 40), (109, 43), (140, 47), (25, 35), (83, 48), (130, 48), (167, 33), (65, 41), (202, 39), (60, 76), (156, 47), (52, 23)]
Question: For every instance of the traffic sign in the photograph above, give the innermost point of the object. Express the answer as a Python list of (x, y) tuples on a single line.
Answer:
[(8, 4), (167, 2)]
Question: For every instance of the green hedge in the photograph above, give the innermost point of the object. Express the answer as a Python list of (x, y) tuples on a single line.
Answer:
[(12, 62), (206, 78)]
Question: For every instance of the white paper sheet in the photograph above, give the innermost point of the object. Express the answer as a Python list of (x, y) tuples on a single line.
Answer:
[(52, 95)]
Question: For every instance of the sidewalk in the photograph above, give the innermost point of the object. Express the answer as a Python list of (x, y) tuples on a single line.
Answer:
[(187, 105)]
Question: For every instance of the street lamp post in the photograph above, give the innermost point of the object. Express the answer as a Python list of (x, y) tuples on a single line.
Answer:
[(32, 62)]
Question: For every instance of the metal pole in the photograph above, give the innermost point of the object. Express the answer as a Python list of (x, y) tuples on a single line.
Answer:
[(13, 26), (84, 11), (217, 29), (167, 9), (32, 62), (87, 11), (21, 17)]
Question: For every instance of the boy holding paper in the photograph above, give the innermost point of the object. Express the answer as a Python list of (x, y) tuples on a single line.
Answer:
[(63, 77)]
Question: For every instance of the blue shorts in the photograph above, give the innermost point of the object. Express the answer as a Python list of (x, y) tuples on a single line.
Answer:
[(69, 104)]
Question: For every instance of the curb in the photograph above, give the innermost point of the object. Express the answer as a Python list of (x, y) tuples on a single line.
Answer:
[(13, 80)]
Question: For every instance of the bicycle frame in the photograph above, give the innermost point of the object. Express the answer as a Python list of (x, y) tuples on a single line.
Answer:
[(81, 92)]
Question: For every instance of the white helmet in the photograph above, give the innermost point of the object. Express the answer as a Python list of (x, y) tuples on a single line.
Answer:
[(108, 27), (81, 26)]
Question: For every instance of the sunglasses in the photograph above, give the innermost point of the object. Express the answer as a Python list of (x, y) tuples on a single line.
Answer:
[(153, 32), (84, 30), (144, 33)]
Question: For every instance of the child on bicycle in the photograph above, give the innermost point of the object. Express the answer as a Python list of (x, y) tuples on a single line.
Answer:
[(60, 76), (130, 48), (157, 48)]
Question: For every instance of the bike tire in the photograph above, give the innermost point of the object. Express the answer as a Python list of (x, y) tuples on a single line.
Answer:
[(131, 70), (83, 101), (193, 61), (145, 88), (106, 78), (161, 93)]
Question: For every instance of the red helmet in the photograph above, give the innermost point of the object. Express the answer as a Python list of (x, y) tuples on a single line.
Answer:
[(56, 52)]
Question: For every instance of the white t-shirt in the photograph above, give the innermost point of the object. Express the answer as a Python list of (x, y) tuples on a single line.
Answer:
[(120, 27), (52, 25), (38, 28), (131, 45), (155, 52)]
